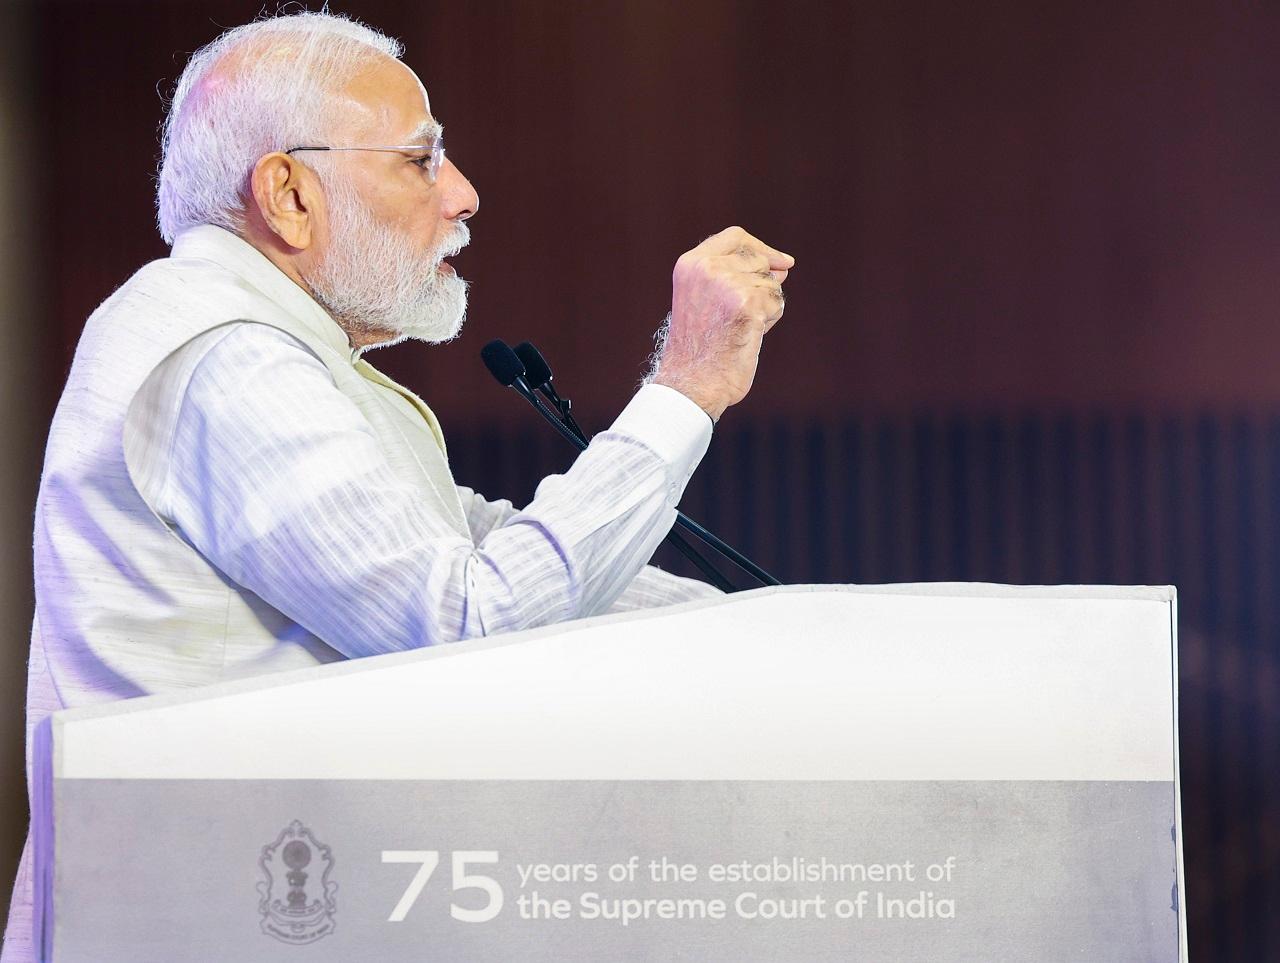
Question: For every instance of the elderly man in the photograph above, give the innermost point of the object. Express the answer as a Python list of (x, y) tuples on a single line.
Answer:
[(231, 489)]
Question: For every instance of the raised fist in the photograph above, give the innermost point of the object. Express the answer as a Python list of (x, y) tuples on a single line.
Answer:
[(726, 293)]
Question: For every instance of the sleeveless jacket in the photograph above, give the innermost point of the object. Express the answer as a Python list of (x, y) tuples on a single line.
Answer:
[(162, 617)]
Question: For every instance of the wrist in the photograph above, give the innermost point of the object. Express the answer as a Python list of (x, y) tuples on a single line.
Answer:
[(710, 402)]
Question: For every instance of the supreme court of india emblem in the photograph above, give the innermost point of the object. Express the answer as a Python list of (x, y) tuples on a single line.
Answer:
[(297, 904)]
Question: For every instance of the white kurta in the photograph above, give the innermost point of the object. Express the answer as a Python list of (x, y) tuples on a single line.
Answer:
[(228, 490)]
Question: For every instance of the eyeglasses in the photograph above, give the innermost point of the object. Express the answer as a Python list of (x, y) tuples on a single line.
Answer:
[(430, 162)]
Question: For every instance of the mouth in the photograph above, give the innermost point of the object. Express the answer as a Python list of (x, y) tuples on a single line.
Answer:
[(446, 268)]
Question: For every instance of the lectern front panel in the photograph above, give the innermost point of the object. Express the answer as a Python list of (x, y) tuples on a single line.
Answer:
[(814, 773)]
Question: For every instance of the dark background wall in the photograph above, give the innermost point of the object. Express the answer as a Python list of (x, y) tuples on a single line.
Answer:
[(1031, 334)]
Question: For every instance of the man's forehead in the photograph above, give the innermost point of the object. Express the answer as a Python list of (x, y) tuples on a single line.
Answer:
[(428, 127), (389, 101)]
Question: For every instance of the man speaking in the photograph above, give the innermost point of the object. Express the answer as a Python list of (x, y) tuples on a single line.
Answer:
[(231, 489)]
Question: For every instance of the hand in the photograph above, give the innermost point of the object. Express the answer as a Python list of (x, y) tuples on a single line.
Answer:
[(726, 294)]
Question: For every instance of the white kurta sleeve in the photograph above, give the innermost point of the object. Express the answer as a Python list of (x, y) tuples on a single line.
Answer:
[(651, 588), (275, 477)]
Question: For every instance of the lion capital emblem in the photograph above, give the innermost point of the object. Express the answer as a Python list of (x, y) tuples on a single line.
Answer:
[(297, 904)]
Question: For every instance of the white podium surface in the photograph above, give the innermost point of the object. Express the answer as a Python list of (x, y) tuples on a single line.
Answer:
[(928, 772)]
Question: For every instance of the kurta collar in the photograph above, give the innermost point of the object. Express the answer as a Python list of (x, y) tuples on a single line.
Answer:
[(209, 243)]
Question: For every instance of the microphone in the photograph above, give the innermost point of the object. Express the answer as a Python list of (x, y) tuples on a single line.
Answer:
[(536, 369), (538, 376), (498, 358), (503, 363), (508, 370)]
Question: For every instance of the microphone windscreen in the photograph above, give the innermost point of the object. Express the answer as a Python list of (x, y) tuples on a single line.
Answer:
[(502, 362), (537, 371)]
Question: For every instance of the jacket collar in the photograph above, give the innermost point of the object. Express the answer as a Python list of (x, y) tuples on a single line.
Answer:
[(209, 243)]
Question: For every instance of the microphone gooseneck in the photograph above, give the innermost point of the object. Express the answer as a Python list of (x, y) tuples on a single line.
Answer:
[(511, 371)]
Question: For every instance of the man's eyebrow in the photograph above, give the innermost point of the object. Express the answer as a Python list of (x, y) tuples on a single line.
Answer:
[(426, 132)]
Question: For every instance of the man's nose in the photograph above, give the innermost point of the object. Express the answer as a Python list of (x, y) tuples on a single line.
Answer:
[(460, 199)]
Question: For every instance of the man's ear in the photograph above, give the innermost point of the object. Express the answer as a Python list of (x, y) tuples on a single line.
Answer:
[(286, 195)]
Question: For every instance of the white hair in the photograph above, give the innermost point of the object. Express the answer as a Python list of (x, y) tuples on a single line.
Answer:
[(380, 288), (275, 95)]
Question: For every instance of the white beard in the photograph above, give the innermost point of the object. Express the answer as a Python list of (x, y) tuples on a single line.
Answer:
[(374, 284)]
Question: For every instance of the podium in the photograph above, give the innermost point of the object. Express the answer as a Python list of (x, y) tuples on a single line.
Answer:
[(917, 772)]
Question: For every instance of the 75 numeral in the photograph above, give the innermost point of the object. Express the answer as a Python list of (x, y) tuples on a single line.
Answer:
[(428, 860)]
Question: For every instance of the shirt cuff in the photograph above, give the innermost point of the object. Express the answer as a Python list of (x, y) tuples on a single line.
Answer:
[(666, 421)]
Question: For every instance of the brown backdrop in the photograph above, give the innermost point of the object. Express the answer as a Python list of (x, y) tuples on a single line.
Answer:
[(1029, 337)]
